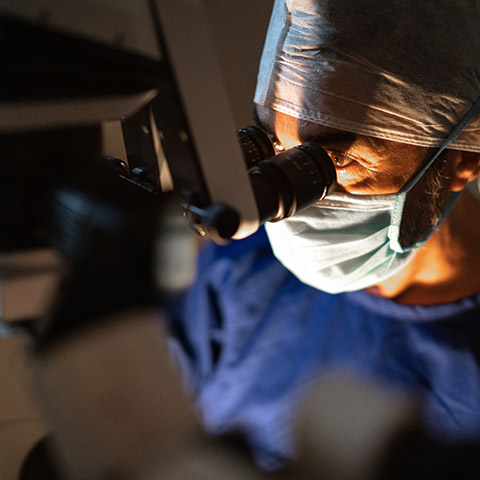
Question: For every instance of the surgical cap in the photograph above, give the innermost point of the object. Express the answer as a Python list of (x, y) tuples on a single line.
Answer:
[(402, 70)]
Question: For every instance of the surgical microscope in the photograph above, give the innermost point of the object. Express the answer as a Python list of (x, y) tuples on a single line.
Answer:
[(93, 242)]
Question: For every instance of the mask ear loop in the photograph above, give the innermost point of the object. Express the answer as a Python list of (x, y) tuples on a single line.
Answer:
[(397, 214)]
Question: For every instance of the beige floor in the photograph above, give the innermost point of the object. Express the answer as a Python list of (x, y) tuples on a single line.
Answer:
[(21, 423)]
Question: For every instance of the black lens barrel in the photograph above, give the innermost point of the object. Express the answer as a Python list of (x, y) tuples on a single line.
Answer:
[(256, 145), (288, 182)]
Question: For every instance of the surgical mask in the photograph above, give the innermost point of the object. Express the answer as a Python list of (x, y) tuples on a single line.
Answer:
[(350, 242)]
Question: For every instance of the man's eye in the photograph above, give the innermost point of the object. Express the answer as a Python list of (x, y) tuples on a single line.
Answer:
[(341, 159)]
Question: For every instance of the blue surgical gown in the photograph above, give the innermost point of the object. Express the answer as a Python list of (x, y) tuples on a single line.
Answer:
[(249, 334)]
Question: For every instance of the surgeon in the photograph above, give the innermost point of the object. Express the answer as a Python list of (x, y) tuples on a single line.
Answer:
[(382, 277)]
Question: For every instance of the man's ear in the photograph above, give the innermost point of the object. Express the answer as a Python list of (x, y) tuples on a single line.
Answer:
[(466, 166)]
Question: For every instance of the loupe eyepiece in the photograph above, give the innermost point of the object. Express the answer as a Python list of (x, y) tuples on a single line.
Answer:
[(256, 145), (288, 182)]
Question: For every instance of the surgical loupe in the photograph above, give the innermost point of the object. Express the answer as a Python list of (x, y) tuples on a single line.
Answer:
[(289, 181)]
